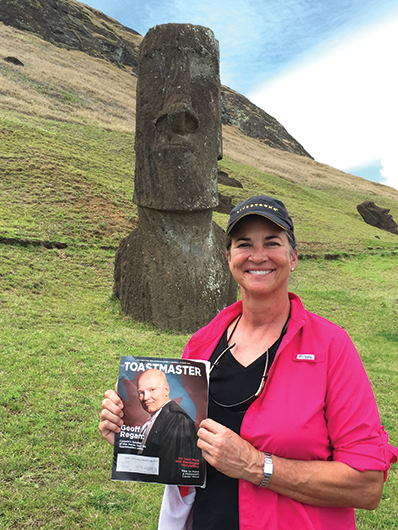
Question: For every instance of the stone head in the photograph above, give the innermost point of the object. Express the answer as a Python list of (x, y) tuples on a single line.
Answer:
[(178, 123)]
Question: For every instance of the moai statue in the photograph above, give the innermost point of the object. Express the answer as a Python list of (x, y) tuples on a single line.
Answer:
[(172, 270)]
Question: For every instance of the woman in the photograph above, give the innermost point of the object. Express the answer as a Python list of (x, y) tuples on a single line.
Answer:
[(293, 438)]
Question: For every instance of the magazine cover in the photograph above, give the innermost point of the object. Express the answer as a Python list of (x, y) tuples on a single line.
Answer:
[(164, 402)]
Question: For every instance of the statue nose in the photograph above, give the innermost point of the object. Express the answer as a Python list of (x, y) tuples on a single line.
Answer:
[(182, 122)]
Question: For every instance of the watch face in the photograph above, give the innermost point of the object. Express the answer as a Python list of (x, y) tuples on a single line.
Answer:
[(268, 469)]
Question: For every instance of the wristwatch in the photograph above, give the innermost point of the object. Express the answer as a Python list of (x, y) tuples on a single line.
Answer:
[(268, 470)]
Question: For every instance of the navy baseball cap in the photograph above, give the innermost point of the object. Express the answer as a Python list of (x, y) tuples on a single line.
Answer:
[(268, 207)]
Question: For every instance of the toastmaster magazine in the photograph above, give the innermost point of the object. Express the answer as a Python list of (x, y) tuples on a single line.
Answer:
[(164, 402)]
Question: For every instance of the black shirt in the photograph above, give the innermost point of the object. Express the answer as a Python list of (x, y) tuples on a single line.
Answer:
[(216, 506)]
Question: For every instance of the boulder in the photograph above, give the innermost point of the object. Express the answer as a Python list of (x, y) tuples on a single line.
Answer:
[(14, 60), (224, 204), (377, 216), (226, 180)]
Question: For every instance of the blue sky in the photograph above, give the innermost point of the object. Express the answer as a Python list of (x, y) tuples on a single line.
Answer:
[(326, 70)]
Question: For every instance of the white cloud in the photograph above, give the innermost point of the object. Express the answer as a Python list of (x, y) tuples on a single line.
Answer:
[(342, 104), (389, 171)]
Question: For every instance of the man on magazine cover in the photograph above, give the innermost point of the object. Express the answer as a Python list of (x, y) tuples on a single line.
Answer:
[(169, 433)]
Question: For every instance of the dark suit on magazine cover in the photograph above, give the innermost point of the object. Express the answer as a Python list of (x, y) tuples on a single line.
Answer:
[(172, 437)]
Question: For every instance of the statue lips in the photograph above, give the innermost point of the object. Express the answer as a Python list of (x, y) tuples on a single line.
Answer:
[(164, 145)]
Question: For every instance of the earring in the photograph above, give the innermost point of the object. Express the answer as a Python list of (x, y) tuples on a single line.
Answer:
[(292, 269)]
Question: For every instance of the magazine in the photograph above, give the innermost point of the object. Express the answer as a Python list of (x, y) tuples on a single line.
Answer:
[(164, 402)]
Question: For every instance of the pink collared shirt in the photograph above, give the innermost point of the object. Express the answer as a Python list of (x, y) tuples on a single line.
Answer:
[(317, 404)]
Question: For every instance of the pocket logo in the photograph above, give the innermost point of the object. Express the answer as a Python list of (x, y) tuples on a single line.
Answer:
[(305, 357)]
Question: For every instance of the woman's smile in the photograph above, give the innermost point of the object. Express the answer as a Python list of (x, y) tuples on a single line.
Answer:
[(259, 271)]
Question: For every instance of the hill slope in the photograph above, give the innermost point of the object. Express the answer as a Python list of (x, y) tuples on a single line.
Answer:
[(88, 105), (72, 25)]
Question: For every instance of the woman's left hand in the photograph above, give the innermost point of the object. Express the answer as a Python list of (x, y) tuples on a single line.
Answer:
[(229, 453)]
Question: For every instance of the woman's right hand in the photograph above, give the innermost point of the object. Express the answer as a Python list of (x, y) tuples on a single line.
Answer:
[(111, 416)]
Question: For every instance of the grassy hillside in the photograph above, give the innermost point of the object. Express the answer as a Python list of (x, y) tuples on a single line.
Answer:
[(65, 181), (68, 120), (66, 176)]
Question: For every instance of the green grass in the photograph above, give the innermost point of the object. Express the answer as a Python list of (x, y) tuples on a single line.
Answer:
[(61, 341), (65, 182)]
